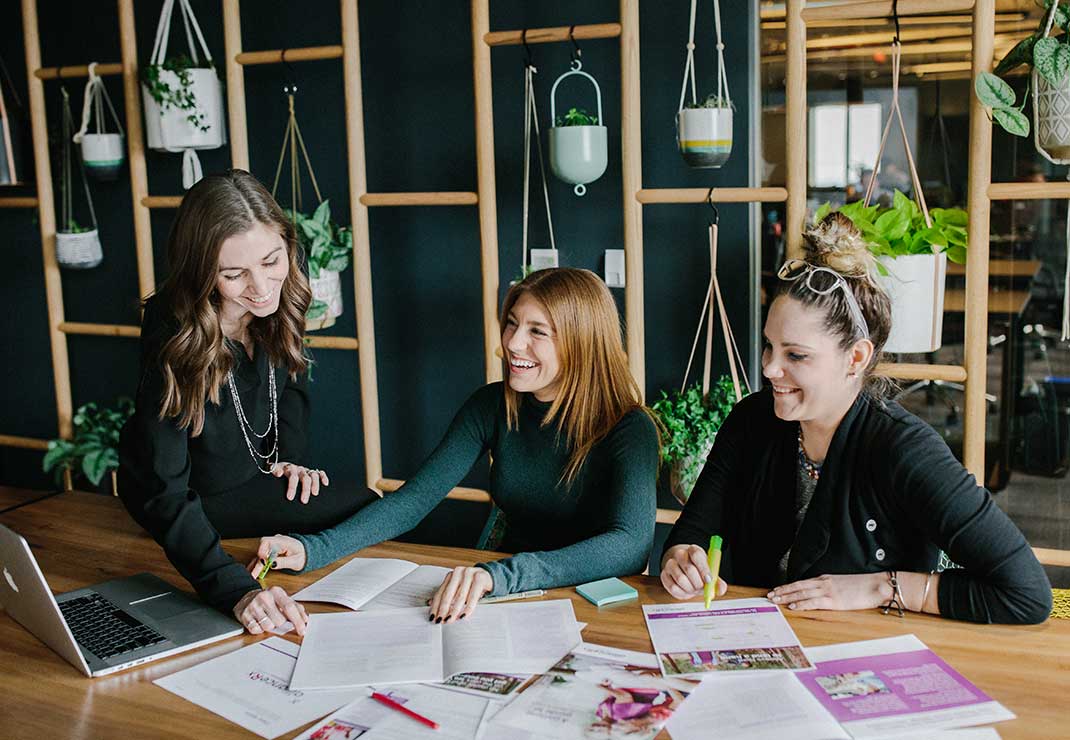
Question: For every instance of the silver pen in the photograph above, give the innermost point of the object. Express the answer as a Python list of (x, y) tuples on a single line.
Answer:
[(512, 597)]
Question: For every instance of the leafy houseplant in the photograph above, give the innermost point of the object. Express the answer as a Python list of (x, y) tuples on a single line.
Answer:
[(1049, 59), (578, 140), (691, 423), (900, 229), (713, 100), (177, 90), (94, 450), (329, 248), (576, 117)]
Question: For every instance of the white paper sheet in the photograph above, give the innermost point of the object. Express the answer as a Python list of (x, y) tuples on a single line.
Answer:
[(357, 582), (249, 688), (415, 589), (731, 636)]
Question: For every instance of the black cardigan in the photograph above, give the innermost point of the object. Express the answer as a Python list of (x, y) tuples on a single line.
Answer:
[(891, 497), (164, 471)]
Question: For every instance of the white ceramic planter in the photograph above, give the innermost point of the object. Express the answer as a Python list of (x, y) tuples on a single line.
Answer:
[(915, 285), (79, 251), (170, 131), (578, 154), (1051, 116), (328, 288), (103, 155), (704, 136)]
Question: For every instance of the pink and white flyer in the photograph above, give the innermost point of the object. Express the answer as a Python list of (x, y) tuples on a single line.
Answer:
[(895, 686)]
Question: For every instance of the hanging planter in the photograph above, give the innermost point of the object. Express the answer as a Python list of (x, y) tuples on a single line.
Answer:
[(15, 162), (534, 259), (1051, 118), (77, 247), (704, 130), (103, 153), (578, 141), (182, 95), (915, 285)]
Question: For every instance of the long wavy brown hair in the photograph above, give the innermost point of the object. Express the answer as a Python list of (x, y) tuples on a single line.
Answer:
[(597, 388), (196, 360)]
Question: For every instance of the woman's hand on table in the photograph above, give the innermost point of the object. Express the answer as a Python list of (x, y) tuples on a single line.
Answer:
[(685, 572), (289, 554), (309, 479), (459, 593), (263, 610), (837, 592)]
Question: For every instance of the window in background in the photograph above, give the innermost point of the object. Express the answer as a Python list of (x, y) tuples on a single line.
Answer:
[(843, 142)]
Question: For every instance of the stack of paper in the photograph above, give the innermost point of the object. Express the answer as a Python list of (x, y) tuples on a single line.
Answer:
[(377, 583)]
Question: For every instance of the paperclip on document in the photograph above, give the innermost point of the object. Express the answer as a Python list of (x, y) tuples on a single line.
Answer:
[(606, 591)]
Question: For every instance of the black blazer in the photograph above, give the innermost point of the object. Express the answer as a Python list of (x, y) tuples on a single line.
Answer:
[(891, 497)]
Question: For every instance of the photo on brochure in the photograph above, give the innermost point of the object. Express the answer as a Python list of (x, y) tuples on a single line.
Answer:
[(488, 685)]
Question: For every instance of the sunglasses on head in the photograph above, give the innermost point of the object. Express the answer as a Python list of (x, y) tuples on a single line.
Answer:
[(823, 281)]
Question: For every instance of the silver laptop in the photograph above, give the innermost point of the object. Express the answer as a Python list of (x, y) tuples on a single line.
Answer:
[(108, 627)]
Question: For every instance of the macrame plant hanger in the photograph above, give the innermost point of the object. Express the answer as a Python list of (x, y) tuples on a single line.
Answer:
[(78, 249), (531, 122), (689, 65), (291, 139), (714, 302), (96, 94)]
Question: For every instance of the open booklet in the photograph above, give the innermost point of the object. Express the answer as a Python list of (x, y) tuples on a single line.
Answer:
[(377, 583), (401, 645)]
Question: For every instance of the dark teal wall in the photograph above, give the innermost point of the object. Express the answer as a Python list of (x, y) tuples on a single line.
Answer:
[(419, 128)]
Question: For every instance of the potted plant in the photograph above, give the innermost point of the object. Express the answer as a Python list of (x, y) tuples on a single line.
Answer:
[(690, 424), (329, 248), (704, 131), (103, 153), (94, 450), (578, 140), (77, 247), (1048, 57), (911, 262)]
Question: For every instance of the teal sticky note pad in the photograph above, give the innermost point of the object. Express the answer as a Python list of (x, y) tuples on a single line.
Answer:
[(606, 591)]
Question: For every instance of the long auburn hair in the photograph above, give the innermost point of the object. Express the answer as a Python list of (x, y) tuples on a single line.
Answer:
[(596, 387), (196, 360)]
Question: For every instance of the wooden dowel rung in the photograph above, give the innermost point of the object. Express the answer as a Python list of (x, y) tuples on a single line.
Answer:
[(922, 371), (720, 195), (1029, 190), (274, 56), (548, 35), (478, 495), (162, 201), (420, 199), (99, 330), (68, 72), (18, 202), (883, 9), (25, 443), (667, 516), (324, 342), (1052, 557)]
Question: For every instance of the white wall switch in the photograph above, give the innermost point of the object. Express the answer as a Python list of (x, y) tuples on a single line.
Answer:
[(615, 268)]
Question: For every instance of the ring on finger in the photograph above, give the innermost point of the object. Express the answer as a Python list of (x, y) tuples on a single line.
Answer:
[(264, 619)]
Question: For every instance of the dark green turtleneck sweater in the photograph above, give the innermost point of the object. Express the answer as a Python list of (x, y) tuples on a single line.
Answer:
[(602, 525)]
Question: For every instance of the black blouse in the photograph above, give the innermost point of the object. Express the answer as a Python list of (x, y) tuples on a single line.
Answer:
[(891, 496), (164, 470)]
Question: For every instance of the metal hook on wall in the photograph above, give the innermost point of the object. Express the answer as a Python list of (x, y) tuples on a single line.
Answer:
[(716, 213), (576, 52), (895, 19), (291, 85)]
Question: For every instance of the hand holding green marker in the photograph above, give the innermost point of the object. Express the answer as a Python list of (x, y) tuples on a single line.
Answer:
[(713, 558), (267, 566)]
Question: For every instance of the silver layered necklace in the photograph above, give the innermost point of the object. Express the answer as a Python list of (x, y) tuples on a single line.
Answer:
[(272, 457)]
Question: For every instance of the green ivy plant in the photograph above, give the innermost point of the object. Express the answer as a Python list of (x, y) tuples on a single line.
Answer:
[(577, 117), (713, 100), (690, 423), (1048, 55), (94, 450), (180, 97), (328, 246), (900, 229)]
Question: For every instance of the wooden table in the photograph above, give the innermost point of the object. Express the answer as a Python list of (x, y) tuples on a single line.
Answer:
[(81, 538), (12, 498)]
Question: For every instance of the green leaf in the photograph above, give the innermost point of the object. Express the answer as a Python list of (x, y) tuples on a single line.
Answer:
[(992, 91), (313, 269), (317, 309), (823, 210), (337, 262), (901, 202), (1051, 59), (94, 465), (949, 216), (934, 236), (1012, 120), (322, 214), (59, 451), (893, 224), (956, 236), (957, 254), (1022, 53)]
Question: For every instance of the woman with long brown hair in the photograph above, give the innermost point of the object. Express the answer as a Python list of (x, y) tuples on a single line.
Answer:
[(222, 406), (574, 456)]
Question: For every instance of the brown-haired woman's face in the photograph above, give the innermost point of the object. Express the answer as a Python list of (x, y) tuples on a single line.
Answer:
[(252, 268), (530, 344)]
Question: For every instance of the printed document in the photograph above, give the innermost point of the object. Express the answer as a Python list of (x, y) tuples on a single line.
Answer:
[(895, 686), (401, 645), (377, 583), (594, 691), (249, 688), (735, 635)]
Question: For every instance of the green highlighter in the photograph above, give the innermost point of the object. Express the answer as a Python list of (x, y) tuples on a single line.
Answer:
[(267, 566), (606, 591), (713, 558)]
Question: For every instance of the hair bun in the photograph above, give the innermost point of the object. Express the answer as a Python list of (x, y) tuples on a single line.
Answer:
[(837, 243)]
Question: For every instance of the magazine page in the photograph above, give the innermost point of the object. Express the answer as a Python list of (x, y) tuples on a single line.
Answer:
[(733, 635), (357, 582), (415, 589), (895, 686), (594, 691), (499, 687)]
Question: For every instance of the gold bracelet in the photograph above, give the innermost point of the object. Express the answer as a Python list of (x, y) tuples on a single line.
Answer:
[(896, 602)]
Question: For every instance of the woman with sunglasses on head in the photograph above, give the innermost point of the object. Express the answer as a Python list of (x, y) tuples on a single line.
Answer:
[(833, 494), (574, 456), (215, 445)]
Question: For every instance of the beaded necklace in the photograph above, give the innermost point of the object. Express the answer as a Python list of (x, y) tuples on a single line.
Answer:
[(271, 458), (813, 469)]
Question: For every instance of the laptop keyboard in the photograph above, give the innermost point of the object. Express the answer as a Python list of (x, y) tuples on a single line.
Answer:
[(103, 629)]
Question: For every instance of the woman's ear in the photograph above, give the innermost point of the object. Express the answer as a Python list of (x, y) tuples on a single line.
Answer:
[(859, 357)]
